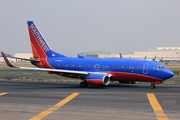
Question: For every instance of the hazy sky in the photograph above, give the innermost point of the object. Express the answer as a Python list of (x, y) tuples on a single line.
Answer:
[(74, 26)]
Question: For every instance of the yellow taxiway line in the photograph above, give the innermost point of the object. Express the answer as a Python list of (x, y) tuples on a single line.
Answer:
[(160, 115), (3, 93), (55, 107)]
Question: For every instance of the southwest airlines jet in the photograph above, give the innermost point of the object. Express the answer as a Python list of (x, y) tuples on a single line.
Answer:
[(92, 71)]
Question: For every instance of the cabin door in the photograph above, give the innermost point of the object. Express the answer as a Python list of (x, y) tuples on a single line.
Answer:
[(145, 68)]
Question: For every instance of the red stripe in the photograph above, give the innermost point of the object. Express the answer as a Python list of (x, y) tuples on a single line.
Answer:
[(118, 76), (38, 51), (94, 82), (36, 45)]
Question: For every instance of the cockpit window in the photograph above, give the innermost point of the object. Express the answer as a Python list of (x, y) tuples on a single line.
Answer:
[(162, 67), (159, 67)]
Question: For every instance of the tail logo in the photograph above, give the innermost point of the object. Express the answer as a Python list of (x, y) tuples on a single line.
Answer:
[(39, 38)]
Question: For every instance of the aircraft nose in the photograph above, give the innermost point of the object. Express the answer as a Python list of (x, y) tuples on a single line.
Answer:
[(169, 74)]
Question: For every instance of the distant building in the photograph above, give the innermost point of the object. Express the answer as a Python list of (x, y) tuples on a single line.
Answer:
[(166, 54), (23, 55), (1, 59), (19, 55), (100, 54)]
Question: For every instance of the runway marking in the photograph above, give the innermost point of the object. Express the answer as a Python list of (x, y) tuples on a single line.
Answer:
[(55, 107), (3, 93), (93, 93), (160, 115)]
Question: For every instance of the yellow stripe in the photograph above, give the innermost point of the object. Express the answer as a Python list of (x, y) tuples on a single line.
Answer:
[(55, 107), (4, 93), (156, 107)]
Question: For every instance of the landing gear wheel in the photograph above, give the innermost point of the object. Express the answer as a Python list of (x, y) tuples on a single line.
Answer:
[(152, 86), (83, 84)]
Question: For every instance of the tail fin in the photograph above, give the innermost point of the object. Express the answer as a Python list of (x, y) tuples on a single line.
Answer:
[(40, 48), (120, 55), (80, 56), (154, 59), (145, 58)]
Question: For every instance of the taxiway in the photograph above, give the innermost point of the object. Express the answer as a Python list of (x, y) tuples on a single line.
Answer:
[(47, 101)]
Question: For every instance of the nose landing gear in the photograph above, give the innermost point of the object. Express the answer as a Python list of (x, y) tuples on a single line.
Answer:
[(152, 86)]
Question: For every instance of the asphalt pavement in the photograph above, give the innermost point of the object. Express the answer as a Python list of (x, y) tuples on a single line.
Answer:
[(67, 101)]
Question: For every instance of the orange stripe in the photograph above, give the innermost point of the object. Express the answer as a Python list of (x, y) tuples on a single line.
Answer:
[(4, 93), (156, 107), (55, 107)]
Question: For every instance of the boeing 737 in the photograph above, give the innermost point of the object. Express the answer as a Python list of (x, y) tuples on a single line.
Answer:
[(92, 71), (120, 55)]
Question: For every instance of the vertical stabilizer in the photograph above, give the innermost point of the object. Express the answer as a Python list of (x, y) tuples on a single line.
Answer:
[(120, 55), (40, 48)]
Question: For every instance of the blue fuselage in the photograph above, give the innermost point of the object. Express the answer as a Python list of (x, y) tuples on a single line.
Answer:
[(121, 68)]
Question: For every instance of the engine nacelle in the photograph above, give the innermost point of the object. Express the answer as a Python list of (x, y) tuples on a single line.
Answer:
[(98, 79)]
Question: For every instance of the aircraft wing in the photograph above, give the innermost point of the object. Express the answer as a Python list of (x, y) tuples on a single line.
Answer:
[(43, 69), (81, 73), (54, 70)]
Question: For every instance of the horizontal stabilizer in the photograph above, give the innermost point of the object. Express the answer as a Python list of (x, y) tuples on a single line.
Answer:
[(32, 60), (43, 69)]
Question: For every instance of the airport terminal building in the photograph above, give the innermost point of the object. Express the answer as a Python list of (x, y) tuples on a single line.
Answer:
[(164, 54), (100, 54), (23, 55), (168, 54), (18, 55)]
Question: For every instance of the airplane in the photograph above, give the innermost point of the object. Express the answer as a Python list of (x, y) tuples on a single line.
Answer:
[(80, 56), (120, 55), (92, 71), (154, 59), (145, 58)]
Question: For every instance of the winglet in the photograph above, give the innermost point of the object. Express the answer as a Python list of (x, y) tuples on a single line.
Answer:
[(8, 63)]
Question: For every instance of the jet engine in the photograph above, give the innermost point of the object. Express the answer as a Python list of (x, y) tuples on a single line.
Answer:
[(98, 79)]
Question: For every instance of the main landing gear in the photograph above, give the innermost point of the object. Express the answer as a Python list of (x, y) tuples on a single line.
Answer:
[(152, 86), (83, 84)]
